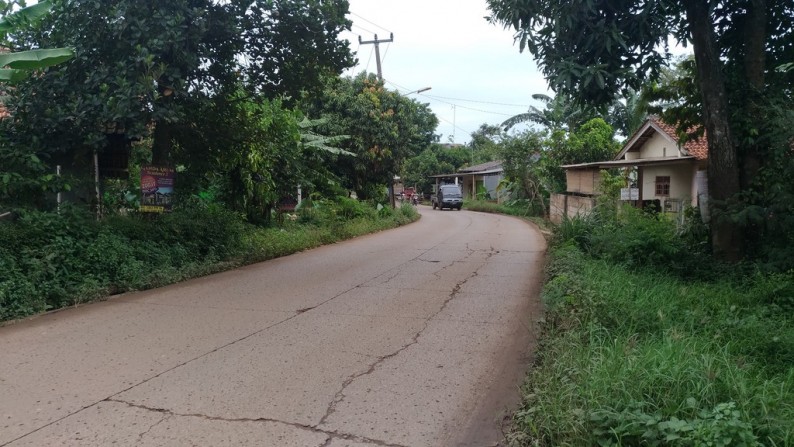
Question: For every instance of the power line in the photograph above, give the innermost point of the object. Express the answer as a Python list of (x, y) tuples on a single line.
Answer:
[(364, 29), (436, 98), (369, 59), (469, 108), (454, 125), (388, 45), (370, 22), (481, 102)]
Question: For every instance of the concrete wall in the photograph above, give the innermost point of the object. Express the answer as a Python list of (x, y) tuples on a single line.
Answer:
[(571, 206)]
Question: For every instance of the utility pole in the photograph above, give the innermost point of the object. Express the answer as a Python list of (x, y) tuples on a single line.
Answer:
[(377, 43)]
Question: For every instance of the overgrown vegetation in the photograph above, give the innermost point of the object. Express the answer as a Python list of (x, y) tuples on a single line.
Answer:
[(645, 342), (521, 208), (52, 260)]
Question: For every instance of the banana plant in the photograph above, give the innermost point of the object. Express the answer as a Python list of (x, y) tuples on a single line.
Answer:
[(313, 140), (16, 66)]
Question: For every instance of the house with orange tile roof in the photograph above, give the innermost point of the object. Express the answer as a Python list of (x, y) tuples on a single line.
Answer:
[(662, 172)]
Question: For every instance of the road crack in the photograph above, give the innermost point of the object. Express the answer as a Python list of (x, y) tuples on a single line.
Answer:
[(331, 434), (340, 395), (151, 427)]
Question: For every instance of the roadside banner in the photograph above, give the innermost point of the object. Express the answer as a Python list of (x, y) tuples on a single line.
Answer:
[(157, 189)]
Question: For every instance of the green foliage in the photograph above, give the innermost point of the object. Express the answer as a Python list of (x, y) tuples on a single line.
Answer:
[(520, 155), (15, 66), (592, 141), (633, 357), (435, 159), (518, 207), (559, 113), (614, 52), (732, 87), (384, 130), (721, 426), (251, 149), (635, 239), (163, 70), (484, 144), (52, 260)]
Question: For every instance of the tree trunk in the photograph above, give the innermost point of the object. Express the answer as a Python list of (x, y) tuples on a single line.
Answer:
[(723, 167), (754, 70), (161, 144)]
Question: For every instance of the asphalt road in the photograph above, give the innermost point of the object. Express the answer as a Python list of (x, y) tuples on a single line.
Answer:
[(417, 336)]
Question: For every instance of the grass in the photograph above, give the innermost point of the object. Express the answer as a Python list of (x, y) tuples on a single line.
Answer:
[(53, 260), (637, 357), (515, 209)]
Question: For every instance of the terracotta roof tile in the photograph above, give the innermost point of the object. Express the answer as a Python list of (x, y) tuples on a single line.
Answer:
[(698, 148)]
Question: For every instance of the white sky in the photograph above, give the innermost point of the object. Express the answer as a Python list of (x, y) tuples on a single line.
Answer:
[(476, 73)]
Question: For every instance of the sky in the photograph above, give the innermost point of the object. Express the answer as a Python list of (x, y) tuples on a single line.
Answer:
[(475, 71)]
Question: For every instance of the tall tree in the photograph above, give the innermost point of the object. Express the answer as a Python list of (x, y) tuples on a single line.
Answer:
[(594, 49), (385, 129), (484, 142), (141, 65)]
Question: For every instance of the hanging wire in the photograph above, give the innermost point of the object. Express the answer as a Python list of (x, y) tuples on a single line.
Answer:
[(370, 22), (454, 125), (385, 52), (372, 50), (364, 29), (469, 108), (481, 102)]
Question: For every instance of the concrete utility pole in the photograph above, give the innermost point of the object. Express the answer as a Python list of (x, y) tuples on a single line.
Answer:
[(377, 43)]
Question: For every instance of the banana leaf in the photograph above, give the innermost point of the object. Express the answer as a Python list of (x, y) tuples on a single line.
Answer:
[(24, 15), (34, 59)]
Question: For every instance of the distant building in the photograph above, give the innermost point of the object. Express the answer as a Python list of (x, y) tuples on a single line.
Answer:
[(483, 178)]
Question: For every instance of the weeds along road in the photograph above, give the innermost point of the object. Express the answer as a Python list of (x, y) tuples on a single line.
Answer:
[(417, 336)]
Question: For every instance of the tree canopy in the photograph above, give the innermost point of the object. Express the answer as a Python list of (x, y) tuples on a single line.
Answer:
[(140, 64), (593, 50), (384, 129), (165, 72)]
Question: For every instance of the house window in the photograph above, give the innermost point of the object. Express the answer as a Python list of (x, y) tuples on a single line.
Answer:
[(663, 185)]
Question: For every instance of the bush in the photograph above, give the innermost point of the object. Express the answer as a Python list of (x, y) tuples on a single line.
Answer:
[(51, 260), (644, 358), (521, 208)]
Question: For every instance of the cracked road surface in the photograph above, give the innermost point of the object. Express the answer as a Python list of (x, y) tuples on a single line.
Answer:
[(417, 336)]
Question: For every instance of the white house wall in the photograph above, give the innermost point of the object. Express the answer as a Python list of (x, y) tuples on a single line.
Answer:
[(681, 181), (657, 146)]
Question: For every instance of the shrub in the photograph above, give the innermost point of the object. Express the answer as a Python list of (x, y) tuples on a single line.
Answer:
[(644, 358), (51, 260)]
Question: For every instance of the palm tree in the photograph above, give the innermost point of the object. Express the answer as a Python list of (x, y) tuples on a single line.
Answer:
[(627, 115), (560, 112)]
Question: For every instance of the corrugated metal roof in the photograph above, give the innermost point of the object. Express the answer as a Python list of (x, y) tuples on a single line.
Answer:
[(487, 166)]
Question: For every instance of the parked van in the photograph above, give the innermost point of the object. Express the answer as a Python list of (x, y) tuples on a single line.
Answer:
[(448, 196)]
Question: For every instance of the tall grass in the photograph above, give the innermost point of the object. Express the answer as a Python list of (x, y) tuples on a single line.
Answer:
[(50, 260), (636, 353)]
